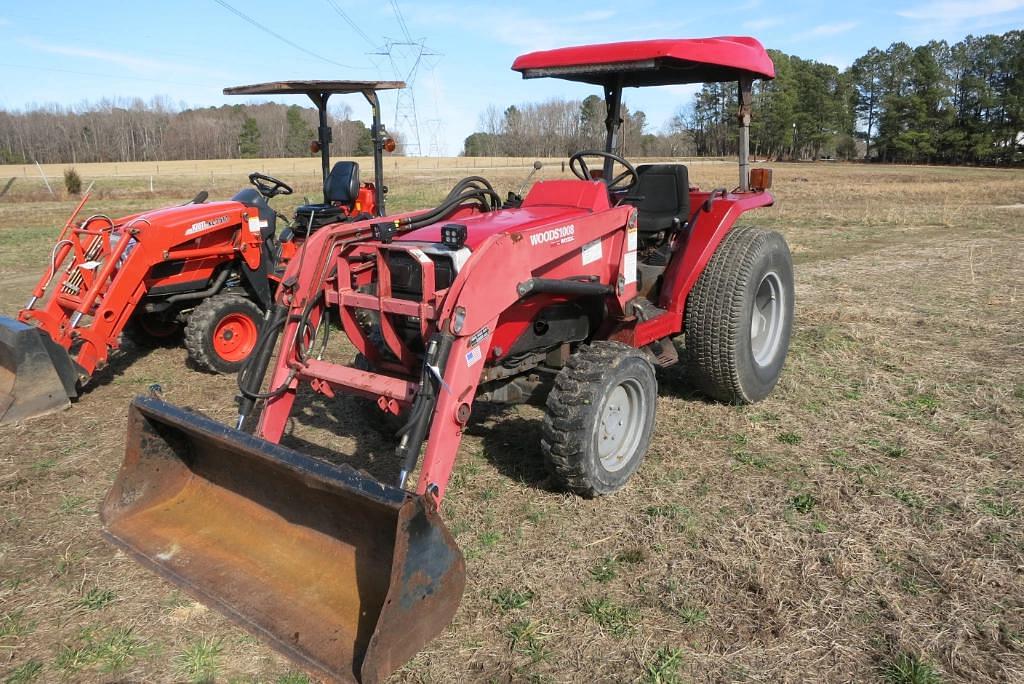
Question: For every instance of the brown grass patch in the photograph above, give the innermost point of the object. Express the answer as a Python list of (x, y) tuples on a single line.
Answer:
[(865, 518)]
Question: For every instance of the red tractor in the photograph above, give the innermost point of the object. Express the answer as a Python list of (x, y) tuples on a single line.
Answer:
[(211, 268), (573, 292)]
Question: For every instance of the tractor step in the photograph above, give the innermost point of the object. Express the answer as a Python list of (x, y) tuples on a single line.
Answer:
[(664, 353)]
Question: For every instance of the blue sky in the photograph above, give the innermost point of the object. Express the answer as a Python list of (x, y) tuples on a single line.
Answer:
[(187, 50)]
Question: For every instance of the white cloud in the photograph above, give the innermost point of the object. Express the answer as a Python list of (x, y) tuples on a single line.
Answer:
[(110, 57), (951, 11), (761, 24), (825, 30)]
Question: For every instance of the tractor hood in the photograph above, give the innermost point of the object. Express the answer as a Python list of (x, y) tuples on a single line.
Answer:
[(547, 202), (197, 218), (482, 226)]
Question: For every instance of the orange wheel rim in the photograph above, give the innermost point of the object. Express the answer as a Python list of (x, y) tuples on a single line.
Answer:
[(234, 337)]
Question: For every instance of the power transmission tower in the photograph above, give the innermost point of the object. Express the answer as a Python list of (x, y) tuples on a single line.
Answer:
[(435, 128), (406, 57)]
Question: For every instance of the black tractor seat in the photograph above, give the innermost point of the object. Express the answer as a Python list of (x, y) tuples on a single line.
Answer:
[(663, 198), (341, 188)]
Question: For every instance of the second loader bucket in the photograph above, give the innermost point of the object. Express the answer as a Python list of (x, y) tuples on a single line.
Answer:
[(36, 374), (344, 575)]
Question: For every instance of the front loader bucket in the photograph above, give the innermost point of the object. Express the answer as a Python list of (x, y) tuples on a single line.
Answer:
[(344, 575), (36, 374)]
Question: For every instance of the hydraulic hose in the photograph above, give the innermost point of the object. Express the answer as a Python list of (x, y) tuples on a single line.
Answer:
[(250, 377), (414, 432)]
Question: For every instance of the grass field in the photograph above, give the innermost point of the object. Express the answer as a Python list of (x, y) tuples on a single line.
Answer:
[(865, 523)]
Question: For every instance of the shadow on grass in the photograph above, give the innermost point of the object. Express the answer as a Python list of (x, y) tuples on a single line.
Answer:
[(511, 442), (120, 361)]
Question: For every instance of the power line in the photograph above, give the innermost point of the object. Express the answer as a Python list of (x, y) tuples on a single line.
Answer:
[(281, 38), (401, 21), (351, 23)]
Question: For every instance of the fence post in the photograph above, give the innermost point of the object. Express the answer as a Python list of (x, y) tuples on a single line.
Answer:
[(44, 179)]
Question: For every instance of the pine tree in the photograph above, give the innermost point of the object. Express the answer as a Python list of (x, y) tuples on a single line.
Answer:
[(299, 133), (249, 139)]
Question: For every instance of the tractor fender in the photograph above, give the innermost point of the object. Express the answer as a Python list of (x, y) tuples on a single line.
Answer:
[(706, 232)]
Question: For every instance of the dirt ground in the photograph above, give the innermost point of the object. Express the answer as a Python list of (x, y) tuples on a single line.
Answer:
[(862, 524)]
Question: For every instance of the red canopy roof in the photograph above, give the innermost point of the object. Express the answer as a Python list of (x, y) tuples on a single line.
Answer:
[(652, 62)]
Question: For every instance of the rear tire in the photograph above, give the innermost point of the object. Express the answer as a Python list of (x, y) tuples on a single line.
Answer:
[(739, 317), (599, 418), (222, 331)]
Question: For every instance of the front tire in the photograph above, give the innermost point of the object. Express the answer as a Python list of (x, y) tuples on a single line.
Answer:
[(739, 317), (222, 331), (599, 418)]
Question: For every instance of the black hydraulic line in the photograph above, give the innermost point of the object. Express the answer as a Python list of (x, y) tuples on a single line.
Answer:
[(415, 431), (562, 287), (250, 377)]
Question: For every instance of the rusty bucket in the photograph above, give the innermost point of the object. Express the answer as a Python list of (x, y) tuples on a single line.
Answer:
[(36, 374), (344, 575)]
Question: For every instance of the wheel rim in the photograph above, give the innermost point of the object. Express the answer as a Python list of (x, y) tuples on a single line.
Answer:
[(621, 428), (766, 319), (234, 337)]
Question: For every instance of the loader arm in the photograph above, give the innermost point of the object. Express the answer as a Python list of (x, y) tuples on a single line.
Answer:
[(99, 272), (500, 273)]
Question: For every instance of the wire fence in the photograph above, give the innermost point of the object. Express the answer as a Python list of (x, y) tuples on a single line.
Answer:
[(228, 167), (40, 182)]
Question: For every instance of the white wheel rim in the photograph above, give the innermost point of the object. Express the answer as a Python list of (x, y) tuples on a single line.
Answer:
[(620, 429), (766, 319)]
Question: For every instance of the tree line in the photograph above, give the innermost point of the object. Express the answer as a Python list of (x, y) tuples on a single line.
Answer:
[(936, 103), (133, 130)]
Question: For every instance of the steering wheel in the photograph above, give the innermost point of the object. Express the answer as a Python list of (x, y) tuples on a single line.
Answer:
[(268, 186), (579, 168)]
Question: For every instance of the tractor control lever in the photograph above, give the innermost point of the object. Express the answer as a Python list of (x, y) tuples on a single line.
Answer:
[(515, 199), (537, 166), (714, 194)]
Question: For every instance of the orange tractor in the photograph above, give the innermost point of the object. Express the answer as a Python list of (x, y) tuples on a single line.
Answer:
[(210, 268), (570, 294)]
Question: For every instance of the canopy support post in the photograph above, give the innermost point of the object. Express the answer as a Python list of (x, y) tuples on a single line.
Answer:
[(378, 137), (612, 122), (323, 135), (745, 101)]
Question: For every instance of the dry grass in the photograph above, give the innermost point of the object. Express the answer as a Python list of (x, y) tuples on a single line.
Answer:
[(863, 524)]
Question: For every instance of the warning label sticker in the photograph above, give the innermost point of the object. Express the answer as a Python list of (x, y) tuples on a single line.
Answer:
[(591, 252), (479, 336), (629, 267)]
